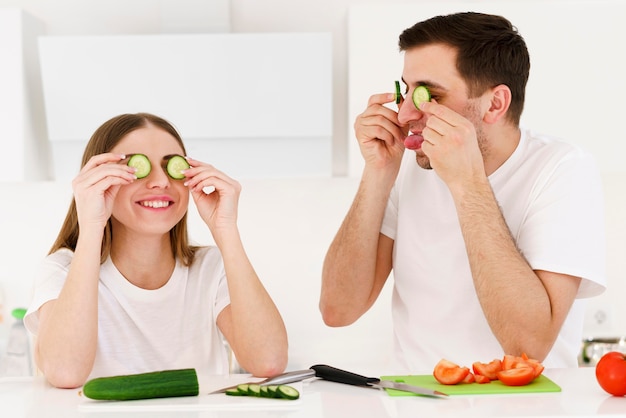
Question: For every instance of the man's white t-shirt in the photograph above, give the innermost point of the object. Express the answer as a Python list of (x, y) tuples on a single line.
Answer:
[(550, 194), (143, 330)]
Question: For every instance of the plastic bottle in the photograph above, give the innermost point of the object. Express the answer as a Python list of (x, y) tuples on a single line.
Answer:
[(17, 359)]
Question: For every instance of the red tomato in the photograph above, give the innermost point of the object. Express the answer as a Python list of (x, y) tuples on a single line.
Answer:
[(611, 373), (518, 376), (489, 370), (449, 373)]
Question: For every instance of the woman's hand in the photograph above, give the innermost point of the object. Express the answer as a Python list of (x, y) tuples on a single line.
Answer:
[(216, 195), (96, 186)]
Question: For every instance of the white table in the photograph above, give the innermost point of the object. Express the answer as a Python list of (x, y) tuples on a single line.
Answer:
[(581, 396)]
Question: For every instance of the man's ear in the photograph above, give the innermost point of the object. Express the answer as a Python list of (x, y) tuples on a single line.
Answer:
[(500, 100)]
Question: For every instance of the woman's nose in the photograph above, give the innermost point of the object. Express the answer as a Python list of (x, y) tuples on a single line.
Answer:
[(157, 178)]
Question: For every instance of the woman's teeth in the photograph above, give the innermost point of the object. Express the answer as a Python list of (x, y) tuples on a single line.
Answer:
[(155, 203)]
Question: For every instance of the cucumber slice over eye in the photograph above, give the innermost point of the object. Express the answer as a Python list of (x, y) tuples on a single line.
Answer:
[(175, 166), (421, 94), (398, 92), (141, 163)]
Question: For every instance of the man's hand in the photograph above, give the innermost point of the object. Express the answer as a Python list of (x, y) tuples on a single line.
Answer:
[(452, 144), (380, 135)]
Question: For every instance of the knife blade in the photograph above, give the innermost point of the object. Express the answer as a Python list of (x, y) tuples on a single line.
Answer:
[(342, 376), (281, 379)]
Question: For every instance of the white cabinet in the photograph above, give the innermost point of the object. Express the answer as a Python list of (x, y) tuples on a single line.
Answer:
[(23, 144), (253, 105)]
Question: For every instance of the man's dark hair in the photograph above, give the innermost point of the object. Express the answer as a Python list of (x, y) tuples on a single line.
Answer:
[(490, 52)]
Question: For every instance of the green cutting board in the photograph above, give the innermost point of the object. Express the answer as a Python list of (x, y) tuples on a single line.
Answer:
[(540, 384)]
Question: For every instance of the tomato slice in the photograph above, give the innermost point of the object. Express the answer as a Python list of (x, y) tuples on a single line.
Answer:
[(449, 373), (482, 379), (518, 376), (508, 361), (470, 378), (489, 370)]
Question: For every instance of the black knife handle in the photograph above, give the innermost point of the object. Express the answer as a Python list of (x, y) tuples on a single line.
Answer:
[(341, 376)]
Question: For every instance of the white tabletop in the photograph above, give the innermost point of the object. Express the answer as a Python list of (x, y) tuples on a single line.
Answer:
[(580, 396)]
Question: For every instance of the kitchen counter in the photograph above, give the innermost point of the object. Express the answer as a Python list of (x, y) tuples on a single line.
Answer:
[(581, 396)]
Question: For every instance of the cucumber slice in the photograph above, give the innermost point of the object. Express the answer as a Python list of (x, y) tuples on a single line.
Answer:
[(234, 392), (175, 166), (272, 391), (421, 94), (254, 390), (141, 163), (287, 392), (243, 389), (398, 92), (265, 392)]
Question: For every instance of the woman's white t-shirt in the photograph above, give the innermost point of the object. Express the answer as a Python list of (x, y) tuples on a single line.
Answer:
[(550, 194), (143, 330)]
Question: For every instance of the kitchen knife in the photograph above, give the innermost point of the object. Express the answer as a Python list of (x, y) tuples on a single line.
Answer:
[(280, 379), (341, 376)]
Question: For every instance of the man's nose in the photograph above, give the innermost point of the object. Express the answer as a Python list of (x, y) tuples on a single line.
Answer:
[(408, 112)]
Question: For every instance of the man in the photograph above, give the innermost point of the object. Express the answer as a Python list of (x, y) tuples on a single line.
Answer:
[(493, 233)]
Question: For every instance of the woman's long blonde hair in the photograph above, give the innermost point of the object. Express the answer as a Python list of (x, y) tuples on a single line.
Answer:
[(103, 140)]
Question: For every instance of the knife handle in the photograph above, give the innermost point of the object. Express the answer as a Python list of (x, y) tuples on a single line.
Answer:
[(341, 376)]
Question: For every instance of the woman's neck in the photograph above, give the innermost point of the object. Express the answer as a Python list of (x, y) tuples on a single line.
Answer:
[(147, 262)]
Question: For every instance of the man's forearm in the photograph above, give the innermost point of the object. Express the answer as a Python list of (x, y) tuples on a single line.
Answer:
[(513, 298), (349, 271)]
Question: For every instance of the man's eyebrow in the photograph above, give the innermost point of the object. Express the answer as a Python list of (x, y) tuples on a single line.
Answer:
[(427, 83)]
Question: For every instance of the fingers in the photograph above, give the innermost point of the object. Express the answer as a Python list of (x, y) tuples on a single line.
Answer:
[(103, 169), (443, 121), (378, 121), (202, 177)]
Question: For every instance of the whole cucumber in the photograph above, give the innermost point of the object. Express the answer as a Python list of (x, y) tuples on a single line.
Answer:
[(161, 384)]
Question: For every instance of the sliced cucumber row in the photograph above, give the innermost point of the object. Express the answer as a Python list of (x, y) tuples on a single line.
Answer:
[(265, 391), (174, 167)]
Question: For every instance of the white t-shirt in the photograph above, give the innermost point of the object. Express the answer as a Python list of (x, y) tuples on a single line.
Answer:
[(143, 330), (550, 194)]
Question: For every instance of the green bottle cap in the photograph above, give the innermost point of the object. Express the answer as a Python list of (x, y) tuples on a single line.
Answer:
[(18, 313)]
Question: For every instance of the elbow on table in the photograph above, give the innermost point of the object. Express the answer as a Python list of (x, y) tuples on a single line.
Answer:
[(336, 317), (270, 367), (65, 380)]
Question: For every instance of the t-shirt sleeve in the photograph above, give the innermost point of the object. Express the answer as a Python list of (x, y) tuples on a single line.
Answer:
[(390, 218), (48, 284), (222, 297), (565, 230)]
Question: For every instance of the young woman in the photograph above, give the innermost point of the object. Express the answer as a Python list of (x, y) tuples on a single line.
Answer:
[(123, 291)]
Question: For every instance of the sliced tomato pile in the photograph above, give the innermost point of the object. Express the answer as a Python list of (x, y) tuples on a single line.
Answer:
[(511, 371)]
